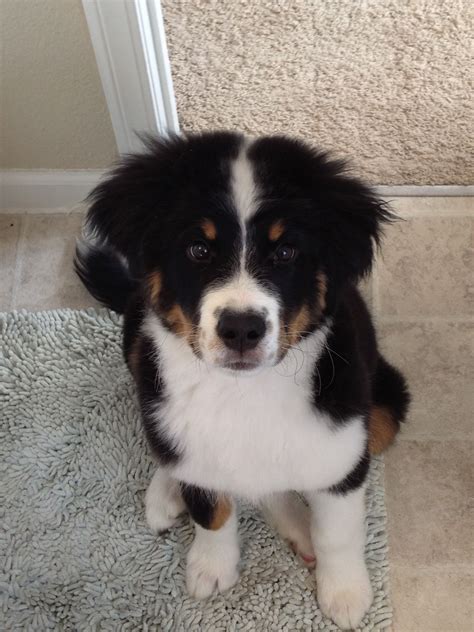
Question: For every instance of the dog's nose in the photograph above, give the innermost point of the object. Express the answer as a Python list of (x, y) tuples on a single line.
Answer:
[(240, 331)]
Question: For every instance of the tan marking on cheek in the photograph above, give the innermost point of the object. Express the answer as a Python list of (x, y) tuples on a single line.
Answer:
[(209, 229), (154, 283), (322, 285), (382, 429), (133, 356), (276, 230), (178, 322), (222, 511), (298, 324)]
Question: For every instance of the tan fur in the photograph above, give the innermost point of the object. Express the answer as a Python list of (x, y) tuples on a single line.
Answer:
[(322, 284), (222, 511), (133, 357), (178, 322), (276, 230), (209, 229), (382, 429), (300, 322), (154, 286)]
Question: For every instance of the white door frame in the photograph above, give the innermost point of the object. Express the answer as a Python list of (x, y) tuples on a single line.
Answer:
[(129, 42)]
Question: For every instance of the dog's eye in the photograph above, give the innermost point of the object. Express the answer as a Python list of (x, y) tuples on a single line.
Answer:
[(199, 251), (284, 254)]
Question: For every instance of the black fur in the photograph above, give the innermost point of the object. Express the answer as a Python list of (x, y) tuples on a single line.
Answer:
[(200, 503), (152, 207), (105, 275), (342, 377), (355, 478), (390, 390), (341, 215)]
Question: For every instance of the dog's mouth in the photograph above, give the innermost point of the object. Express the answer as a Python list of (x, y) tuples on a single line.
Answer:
[(241, 365)]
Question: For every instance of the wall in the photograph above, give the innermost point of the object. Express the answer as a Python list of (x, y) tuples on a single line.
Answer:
[(53, 113), (385, 82)]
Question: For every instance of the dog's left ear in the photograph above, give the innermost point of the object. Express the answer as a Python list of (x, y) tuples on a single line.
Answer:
[(130, 205), (352, 219)]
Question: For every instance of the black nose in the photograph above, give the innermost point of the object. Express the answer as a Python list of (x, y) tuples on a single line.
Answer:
[(240, 331)]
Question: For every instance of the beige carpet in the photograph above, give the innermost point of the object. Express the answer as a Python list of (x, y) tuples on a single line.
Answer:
[(386, 82)]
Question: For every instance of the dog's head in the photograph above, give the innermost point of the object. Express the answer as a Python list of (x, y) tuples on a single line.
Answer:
[(243, 247)]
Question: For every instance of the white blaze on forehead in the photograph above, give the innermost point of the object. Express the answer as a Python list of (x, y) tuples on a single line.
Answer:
[(244, 190), (241, 292)]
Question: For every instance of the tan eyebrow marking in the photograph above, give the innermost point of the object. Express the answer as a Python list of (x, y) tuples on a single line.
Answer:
[(209, 229), (276, 230)]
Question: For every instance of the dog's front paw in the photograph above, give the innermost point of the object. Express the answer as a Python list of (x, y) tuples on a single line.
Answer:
[(210, 569), (344, 600)]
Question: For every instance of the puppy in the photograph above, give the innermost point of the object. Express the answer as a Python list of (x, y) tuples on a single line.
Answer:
[(235, 264)]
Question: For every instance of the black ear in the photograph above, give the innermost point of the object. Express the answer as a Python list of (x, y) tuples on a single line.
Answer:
[(352, 219), (128, 205)]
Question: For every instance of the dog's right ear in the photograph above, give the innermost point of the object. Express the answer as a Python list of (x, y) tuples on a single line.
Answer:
[(128, 205)]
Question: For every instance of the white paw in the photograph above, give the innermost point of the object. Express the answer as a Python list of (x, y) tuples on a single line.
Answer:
[(211, 569), (344, 600), (163, 507)]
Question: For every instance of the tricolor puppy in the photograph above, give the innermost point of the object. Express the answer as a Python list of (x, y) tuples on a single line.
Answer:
[(235, 263)]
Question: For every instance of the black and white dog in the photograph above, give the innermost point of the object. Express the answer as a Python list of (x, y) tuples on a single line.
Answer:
[(235, 262)]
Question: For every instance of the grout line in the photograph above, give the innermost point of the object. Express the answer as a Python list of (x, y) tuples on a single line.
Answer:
[(420, 190), (433, 214), (464, 568), (20, 251), (435, 438), (407, 320), (69, 210)]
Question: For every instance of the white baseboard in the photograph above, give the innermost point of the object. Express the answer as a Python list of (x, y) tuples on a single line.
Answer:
[(45, 190), (42, 191)]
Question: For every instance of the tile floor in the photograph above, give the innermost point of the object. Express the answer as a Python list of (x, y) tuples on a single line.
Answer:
[(422, 296)]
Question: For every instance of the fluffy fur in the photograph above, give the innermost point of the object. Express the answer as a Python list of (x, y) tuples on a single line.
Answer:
[(235, 263)]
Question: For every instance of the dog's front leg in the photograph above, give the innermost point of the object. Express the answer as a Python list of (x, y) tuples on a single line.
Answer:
[(338, 533), (213, 558)]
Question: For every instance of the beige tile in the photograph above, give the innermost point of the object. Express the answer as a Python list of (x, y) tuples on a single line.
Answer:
[(437, 359), (10, 226), (432, 601), (429, 490), (47, 279), (429, 206), (426, 269)]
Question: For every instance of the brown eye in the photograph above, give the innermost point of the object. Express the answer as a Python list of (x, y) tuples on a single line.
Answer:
[(199, 251), (285, 254)]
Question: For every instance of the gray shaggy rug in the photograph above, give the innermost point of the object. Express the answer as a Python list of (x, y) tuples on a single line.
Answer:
[(75, 552)]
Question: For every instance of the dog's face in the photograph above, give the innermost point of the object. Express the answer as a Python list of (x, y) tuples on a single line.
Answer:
[(243, 246)]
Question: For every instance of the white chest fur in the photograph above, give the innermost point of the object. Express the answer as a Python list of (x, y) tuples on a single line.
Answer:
[(251, 435)]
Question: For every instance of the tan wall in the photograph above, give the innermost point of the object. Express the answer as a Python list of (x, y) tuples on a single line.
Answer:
[(386, 82), (53, 113)]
